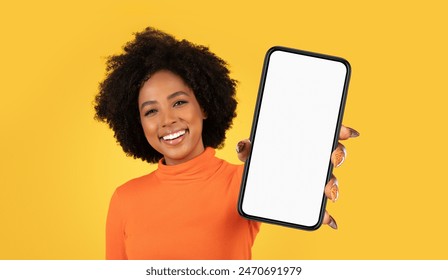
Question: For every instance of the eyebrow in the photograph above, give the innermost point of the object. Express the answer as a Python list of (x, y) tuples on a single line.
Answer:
[(171, 96)]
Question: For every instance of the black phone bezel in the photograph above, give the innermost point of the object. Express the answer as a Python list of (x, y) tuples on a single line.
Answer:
[(254, 129)]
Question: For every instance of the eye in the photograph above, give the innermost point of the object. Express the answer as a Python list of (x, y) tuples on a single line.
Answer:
[(150, 112), (179, 103)]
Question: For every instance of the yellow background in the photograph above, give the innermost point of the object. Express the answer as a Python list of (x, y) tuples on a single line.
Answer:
[(59, 167)]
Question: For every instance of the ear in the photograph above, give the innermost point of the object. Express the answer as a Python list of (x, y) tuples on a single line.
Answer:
[(204, 114)]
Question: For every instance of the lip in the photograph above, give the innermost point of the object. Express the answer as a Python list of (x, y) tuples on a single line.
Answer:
[(174, 137)]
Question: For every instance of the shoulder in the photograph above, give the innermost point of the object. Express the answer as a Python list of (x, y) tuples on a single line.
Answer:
[(229, 174), (135, 185), (236, 169)]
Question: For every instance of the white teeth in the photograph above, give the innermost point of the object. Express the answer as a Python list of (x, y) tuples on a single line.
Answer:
[(173, 135)]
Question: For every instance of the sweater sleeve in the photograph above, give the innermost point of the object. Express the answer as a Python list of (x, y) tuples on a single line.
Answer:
[(115, 246), (254, 225)]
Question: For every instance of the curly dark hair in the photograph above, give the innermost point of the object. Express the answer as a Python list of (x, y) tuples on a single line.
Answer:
[(153, 50)]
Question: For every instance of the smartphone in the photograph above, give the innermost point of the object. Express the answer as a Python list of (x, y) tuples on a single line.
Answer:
[(295, 128)]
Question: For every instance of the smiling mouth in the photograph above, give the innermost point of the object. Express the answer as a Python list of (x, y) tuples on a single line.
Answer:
[(174, 135)]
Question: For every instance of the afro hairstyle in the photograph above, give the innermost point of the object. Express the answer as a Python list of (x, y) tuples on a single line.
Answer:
[(153, 50)]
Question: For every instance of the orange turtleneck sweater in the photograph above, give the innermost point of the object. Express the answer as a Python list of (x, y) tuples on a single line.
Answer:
[(185, 211)]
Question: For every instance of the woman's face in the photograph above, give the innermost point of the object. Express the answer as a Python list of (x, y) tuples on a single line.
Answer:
[(171, 117)]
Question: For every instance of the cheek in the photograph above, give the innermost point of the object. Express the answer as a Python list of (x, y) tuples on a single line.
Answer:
[(197, 116), (150, 129)]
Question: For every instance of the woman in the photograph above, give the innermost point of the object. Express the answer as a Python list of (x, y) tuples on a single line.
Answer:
[(171, 102)]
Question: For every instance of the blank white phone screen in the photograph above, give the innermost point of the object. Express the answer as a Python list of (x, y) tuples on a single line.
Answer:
[(294, 137)]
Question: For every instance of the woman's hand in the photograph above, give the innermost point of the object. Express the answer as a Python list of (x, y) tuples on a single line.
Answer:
[(243, 148), (337, 158)]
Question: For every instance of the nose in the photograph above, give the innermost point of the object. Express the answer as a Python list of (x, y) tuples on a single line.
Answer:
[(168, 118)]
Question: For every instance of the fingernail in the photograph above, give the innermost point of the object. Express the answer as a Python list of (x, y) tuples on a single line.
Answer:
[(240, 146), (334, 193), (338, 158), (332, 223), (353, 132)]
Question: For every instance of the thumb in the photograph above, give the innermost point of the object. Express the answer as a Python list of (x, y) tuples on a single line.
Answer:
[(243, 148)]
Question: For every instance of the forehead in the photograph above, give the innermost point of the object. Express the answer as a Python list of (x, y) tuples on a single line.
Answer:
[(164, 77), (161, 84)]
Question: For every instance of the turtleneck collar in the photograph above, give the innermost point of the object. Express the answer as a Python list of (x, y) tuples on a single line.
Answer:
[(200, 167)]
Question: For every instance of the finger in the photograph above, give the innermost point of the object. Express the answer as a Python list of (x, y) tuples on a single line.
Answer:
[(347, 132), (338, 156), (330, 221), (243, 148), (332, 189)]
